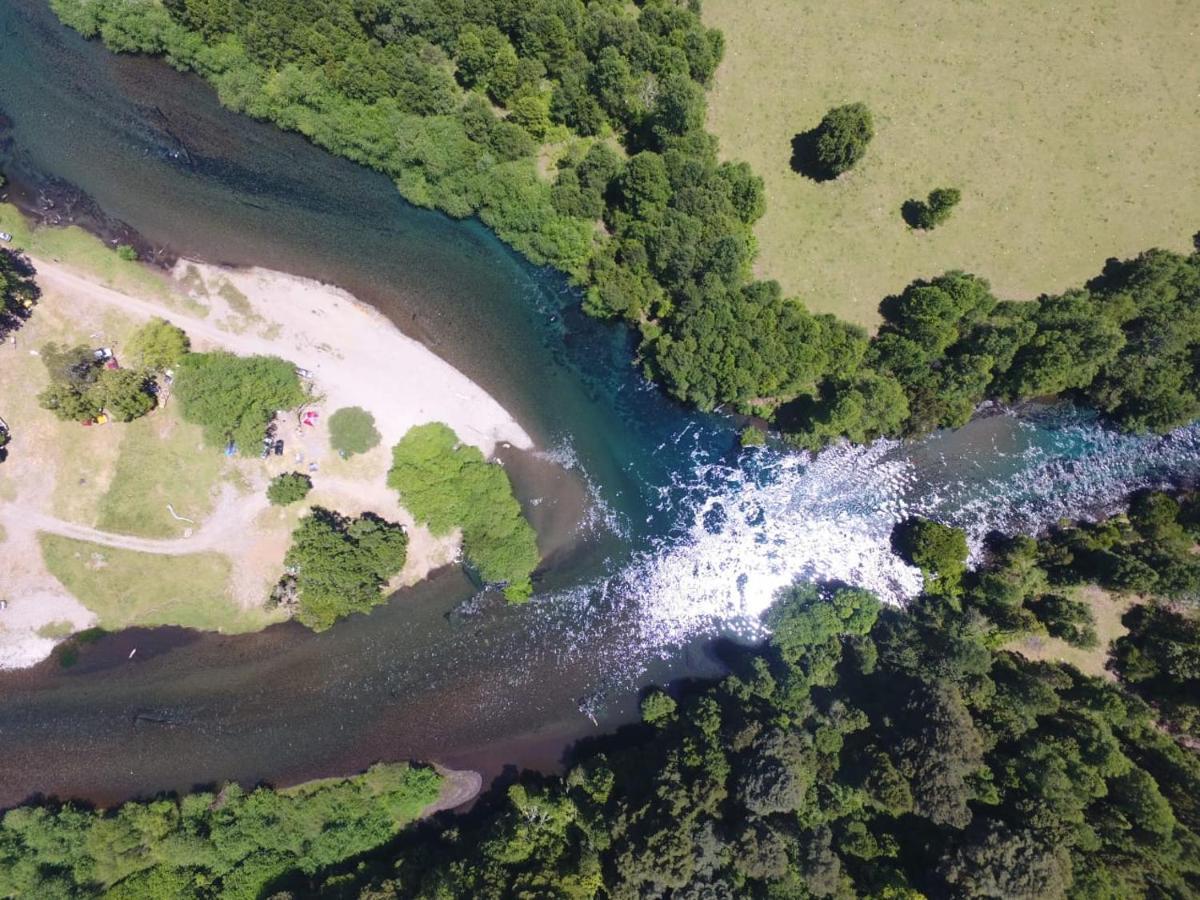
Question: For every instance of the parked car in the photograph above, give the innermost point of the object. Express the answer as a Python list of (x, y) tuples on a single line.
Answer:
[(304, 373), (279, 447)]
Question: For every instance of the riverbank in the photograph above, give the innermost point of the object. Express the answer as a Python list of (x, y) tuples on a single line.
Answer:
[(148, 494)]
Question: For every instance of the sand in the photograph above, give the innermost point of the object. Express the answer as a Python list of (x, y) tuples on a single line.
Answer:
[(356, 357)]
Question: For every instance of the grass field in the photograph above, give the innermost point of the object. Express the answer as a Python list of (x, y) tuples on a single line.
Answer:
[(1073, 131), (1107, 610), (162, 460), (125, 588)]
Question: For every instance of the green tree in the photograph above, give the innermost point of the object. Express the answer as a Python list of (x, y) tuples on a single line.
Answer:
[(448, 484), (234, 398), (158, 345), (342, 564), (842, 137), (289, 487), (122, 393), (352, 430), (931, 213)]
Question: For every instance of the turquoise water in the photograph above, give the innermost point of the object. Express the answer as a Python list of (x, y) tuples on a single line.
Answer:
[(682, 538)]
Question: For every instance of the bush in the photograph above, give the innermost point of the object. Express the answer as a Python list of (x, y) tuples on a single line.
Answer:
[(842, 137), (448, 485), (127, 253), (931, 213), (234, 398), (158, 345), (290, 487), (341, 564), (352, 430)]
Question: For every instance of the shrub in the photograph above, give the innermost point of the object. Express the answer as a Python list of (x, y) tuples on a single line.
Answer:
[(842, 137), (127, 253), (448, 485), (352, 430), (289, 487), (932, 212)]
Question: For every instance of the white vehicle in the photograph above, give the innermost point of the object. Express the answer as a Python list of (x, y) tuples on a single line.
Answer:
[(102, 353), (5, 236), (304, 373)]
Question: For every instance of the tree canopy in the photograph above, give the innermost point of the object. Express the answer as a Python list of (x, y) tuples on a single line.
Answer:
[(339, 565), (234, 398), (352, 430), (447, 484)]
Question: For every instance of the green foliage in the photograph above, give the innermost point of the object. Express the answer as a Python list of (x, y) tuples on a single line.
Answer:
[(122, 393), (81, 387), (408, 90), (127, 253), (842, 137), (929, 214), (352, 430), (289, 487), (234, 398), (338, 566), (860, 752), (447, 484), (657, 708), (939, 551), (232, 844), (158, 345), (17, 288)]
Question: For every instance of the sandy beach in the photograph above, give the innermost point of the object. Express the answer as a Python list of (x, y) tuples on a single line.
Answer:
[(356, 357)]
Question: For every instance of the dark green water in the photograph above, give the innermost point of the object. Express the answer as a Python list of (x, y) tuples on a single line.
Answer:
[(682, 540)]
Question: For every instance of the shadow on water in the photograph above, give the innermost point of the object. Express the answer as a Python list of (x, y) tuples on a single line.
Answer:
[(658, 535)]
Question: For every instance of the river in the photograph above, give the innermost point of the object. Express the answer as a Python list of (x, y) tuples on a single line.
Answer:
[(683, 538)]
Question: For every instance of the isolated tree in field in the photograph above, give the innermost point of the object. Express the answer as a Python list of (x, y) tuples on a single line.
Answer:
[(289, 487), (931, 213), (158, 345), (122, 393), (233, 398), (842, 137), (352, 430)]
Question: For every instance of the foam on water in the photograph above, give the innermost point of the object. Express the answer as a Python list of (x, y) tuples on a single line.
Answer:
[(745, 529)]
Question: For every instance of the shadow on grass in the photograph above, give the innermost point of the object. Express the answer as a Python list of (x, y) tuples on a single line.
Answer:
[(913, 212), (804, 156)]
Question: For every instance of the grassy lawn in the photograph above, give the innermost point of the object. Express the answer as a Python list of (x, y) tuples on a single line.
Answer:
[(126, 588), (1071, 129), (161, 461), (1107, 611)]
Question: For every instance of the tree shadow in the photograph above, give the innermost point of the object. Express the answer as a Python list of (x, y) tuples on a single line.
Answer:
[(20, 291), (804, 156), (913, 213)]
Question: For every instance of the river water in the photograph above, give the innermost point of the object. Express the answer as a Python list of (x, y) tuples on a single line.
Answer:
[(683, 538)]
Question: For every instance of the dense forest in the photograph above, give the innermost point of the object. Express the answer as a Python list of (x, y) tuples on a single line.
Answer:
[(576, 131), (862, 751)]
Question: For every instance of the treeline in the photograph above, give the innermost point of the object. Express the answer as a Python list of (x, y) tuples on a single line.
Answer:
[(231, 844), (881, 753), (862, 752), (463, 103)]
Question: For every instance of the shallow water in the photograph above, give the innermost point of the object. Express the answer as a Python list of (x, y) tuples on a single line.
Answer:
[(684, 539)]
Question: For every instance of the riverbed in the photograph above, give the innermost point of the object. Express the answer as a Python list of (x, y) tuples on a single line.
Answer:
[(676, 538)]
